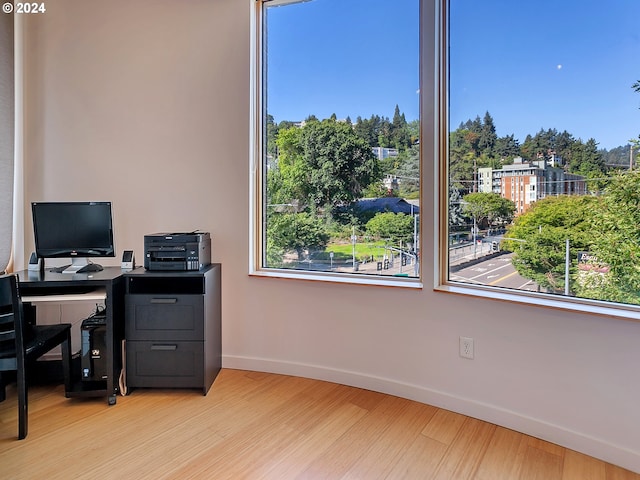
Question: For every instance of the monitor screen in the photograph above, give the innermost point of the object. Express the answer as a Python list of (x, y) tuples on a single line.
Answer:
[(73, 229)]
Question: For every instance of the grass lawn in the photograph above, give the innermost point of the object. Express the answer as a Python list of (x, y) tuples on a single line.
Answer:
[(363, 250)]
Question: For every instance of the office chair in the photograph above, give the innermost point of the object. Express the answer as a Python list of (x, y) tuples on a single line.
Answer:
[(22, 344)]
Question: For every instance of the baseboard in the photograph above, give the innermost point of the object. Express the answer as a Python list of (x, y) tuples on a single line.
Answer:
[(513, 420)]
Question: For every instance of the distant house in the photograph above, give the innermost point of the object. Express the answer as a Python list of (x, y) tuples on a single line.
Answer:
[(387, 204), (382, 152)]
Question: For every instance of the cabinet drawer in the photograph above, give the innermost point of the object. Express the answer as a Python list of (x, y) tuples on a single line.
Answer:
[(164, 317), (165, 364)]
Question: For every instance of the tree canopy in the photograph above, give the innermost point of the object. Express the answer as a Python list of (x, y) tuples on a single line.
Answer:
[(325, 164), (617, 240), (396, 227), (475, 144), (488, 207), (297, 232), (538, 237)]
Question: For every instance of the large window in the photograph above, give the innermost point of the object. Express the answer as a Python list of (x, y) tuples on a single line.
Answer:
[(338, 136), (531, 123), (543, 133)]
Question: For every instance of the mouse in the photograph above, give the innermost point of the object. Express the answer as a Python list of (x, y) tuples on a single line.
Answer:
[(90, 267)]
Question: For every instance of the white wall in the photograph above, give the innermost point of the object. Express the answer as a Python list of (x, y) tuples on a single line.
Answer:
[(145, 104)]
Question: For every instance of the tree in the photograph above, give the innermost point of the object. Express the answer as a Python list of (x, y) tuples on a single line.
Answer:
[(507, 147), (489, 207), (588, 161), (586, 158), (563, 143), (408, 169), (325, 164), (617, 230), (296, 232), (272, 133), (413, 127), (538, 237), (400, 137), (617, 227), (488, 137), (456, 215), (395, 227), (636, 142), (461, 172), (370, 130), (540, 145)]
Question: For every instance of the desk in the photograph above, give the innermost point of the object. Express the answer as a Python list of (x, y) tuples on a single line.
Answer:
[(106, 285)]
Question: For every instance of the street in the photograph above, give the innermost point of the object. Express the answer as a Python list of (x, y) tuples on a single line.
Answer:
[(495, 271)]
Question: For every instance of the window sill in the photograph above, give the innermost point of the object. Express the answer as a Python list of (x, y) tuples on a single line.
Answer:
[(578, 305), (355, 279)]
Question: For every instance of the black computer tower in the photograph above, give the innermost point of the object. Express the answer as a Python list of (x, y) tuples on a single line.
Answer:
[(94, 348)]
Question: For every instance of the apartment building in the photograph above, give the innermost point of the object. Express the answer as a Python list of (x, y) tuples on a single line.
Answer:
[(525, 182)]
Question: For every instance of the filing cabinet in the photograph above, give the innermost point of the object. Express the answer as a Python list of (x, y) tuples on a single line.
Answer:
[(173, 328)]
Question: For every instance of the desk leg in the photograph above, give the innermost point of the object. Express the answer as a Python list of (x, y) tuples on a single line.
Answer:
[(29, 313), (66, 364)]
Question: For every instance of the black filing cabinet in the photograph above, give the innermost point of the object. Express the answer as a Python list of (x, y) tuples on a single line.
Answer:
[(173, 328)]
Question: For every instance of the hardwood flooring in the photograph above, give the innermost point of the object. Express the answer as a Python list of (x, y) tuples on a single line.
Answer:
[(263, 426)]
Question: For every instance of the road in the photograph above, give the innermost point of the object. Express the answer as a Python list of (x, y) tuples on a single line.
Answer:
[(497, 271)]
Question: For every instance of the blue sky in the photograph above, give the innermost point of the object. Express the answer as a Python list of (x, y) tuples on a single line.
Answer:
[(563, 64), (348, 57)]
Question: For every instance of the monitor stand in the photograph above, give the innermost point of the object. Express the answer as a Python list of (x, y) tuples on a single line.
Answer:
[(76, 264)]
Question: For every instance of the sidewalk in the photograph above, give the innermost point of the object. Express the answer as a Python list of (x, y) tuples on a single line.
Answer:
[(466, 253)]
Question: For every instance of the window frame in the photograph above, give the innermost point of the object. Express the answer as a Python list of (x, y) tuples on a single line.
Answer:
[(257, 183), (434, 150), (440, 65)]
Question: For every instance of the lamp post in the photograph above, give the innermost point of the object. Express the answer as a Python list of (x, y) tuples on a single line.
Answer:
[(353, 246), (475, 237), (567, 264)]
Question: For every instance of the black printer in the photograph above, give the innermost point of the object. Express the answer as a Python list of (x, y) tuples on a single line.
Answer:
[(177, 251)]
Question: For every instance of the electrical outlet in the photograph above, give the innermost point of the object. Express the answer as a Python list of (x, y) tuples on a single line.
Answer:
[(466, 347)]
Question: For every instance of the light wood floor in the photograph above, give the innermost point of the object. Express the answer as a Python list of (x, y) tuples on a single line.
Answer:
[(263, 426)]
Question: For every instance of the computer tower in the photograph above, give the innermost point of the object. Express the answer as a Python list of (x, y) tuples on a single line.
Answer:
[(94, 347)]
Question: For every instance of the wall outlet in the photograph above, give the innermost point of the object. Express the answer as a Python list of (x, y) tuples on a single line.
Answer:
[(466, 347)]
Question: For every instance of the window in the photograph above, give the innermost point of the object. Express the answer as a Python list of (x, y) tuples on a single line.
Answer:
[(546, 87), (338, 144)]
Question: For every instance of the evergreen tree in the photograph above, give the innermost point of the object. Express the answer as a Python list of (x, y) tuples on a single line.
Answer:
[(586, 159), (507, 148), (563, 143), (461, 155), (408, 169), (488, 137), (399, 135), (272, 133)]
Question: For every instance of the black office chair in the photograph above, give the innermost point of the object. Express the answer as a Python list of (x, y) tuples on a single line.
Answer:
[(21, 344)]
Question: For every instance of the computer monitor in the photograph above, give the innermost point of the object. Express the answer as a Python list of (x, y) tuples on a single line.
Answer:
[(76, 230)]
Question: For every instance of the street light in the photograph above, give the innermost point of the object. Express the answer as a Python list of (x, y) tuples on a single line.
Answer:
[(353, 244)]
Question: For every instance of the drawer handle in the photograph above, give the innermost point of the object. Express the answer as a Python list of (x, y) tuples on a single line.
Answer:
[(164, 300), (164, 347)]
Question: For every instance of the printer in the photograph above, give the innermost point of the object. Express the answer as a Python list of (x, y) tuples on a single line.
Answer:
[(177, 251)]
